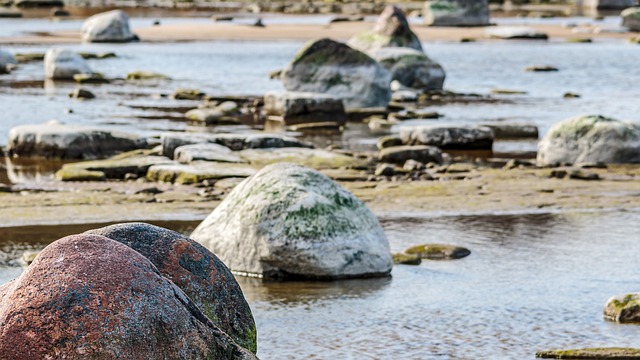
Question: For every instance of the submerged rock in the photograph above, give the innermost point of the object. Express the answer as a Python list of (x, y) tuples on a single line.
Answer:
[(56, 140), (591, 353), (93, 78), (631, 18), (146, 75), (411, 68), (438, 252), (188, 94), (81, 93), (406, 259), (226, 113), (63, 64), (294, 108), (333, 68), (449, 137), (196, 271), (391, 30), (623, 308), (288, 221), (515, 32), (590, 139), (456, 13), (110, 26), (87, 296)]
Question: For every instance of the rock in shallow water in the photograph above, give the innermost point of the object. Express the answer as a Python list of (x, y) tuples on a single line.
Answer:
[(449, 137), (412, 68), (288, 221), (196, 271), (591, 353), (87, 296), (421, 153), (294, 108), (111, 26), (63, 64), (456, 13), (438, 252), (206, 152), (623, 308), (391, 30), (590, 139)]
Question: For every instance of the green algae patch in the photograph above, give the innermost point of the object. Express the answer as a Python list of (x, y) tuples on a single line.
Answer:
[(146, 75), (438, 252), (70, 174), (623, 309), (406, 259), (591, 353)]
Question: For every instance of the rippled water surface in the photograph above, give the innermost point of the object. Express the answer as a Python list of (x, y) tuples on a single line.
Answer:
[(532, 282)]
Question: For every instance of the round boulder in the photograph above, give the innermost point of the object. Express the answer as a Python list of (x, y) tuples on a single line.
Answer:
[(110, 26), (62, 64), (87, 296), (196, 271), (590, 139), (330, 67), (391, 30), (289, 221), (412, 68)]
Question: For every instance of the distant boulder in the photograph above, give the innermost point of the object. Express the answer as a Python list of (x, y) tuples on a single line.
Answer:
[(456, 13), (590, 139), (7, 60), (111, 26), (333, 68), (63, 64), (609, 4), (289, 221), (412, 68), (449, 137), (391, 30), (293, 108), (87, 296), (631, 18)]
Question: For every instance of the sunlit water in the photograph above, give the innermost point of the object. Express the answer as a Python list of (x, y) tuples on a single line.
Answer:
[(532, 282)]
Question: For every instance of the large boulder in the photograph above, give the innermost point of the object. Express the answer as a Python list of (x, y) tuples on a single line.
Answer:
[(590, 139), (631, 18), (391, 30), (288, 221), (330, 67), (87, 296), (448, 137), (609, 4), (456, 13), (60, 141), (62, 64), (293, 108), (196, 271), (412, 68), (110, 26)]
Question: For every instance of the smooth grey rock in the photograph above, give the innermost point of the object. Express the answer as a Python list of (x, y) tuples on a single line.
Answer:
[(206, 152), (593, 139), (513, 131), (401, 154), (295, 108), (515, 32), (110, 26), (411, 68), (609, 4), (333, 68), (288, 221), (62, 64), (56, 140), (631, 18), (456, 13), (391, 30), (236, 142), (449, 137), (314, 158), (623, 308), (7, 60)]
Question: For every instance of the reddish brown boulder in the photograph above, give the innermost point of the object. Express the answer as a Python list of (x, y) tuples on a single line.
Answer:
[(196, 271), (87, 296)]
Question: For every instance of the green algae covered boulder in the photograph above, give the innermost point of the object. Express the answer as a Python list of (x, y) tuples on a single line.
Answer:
[(196, 271), (333, 68), (288, 221), (590, 139), (623, 309), (391, 30), (90, 297)]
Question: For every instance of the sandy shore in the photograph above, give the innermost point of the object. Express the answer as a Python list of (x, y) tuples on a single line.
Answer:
[(477, 191), (338, 31)]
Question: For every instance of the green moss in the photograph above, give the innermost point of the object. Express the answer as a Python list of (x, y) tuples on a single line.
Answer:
[(146, 75), (579, 126), (438, 251), (591, 353), (406, 259), (69, 174)]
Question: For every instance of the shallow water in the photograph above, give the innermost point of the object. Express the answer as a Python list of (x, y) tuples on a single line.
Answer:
[(533, 281)]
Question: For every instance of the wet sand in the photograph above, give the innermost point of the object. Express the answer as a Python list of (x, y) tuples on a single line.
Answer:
[(478, 191), (339, 31)]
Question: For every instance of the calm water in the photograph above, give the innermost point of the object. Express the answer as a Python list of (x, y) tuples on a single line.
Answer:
[(533, 281)]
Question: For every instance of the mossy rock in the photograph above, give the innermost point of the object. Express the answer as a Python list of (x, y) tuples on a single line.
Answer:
[(104, 55), (406, 259), (438, 252), (94, 78), (623, 309), (591, 353), (146, 75), (188, 94), (69, 174), (117, 168), (30, 57)]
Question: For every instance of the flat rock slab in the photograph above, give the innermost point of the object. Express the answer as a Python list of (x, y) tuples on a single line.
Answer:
[(400, 154), (118, 168), (591, 353), (295, 108), (438, 252), (198, 171), (513, 131), (515, 32), (314, 158), (206, 152), (449, 137)]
